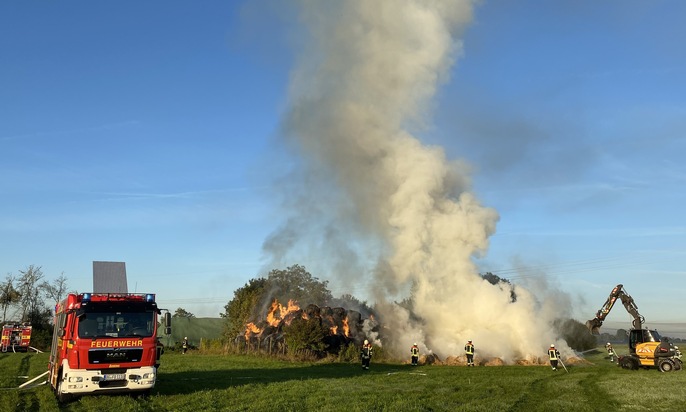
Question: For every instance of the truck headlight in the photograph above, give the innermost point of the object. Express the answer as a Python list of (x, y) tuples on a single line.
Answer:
[(75, 379)]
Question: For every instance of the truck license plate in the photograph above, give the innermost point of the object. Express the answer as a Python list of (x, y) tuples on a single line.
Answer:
[(114, 377)]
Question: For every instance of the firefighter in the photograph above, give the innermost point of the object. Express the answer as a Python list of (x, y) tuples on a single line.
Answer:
[(554, 355), (366, 354), (414, 351), (610, 351), (184, 345), (469, 350)]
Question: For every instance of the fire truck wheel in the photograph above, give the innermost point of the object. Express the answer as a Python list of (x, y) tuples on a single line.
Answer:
[(61, 396), (666, 365)]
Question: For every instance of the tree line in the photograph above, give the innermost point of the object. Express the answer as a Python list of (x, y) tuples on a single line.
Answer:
[(28, 297)]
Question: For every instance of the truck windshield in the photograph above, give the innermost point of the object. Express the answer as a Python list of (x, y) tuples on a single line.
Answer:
[(116, 324)]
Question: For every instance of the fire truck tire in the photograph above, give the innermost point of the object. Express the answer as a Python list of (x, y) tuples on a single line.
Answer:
[(61, 396), (666, 365)]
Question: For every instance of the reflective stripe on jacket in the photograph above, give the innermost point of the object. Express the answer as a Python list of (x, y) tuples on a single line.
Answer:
[(553, 354), (469, 348)]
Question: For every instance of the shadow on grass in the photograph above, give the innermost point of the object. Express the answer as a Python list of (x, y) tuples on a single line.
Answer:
[(176, 383)]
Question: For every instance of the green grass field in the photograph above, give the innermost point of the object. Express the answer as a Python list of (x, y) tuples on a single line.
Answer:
[(196, 382)]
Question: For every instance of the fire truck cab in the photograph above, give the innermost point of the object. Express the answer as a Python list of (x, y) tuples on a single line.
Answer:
[(105, 343), (15, 337)]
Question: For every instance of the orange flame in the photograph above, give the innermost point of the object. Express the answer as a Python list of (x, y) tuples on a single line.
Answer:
[(334, 330), (271, 316), (251, 328), (292, 307), (346, 328), (277, 311)]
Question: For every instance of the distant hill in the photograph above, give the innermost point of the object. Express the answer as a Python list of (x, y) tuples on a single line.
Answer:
[(195, 329)]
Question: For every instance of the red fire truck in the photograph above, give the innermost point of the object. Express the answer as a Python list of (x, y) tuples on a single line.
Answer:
[(105, 343), (15, 337)]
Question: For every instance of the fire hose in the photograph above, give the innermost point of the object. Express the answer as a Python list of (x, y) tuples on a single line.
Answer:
[(563, 365), (25, 384)]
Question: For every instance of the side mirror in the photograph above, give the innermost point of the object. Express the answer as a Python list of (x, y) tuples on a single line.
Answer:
[(167, 323)]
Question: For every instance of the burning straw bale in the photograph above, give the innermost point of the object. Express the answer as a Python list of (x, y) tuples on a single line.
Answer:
[(573, 360), (455, 360), (462, 361), (430, 359), (491, 362), (313, 311), (344, 326)]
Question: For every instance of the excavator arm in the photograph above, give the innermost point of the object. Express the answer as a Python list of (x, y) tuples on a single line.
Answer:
[(617, 293)]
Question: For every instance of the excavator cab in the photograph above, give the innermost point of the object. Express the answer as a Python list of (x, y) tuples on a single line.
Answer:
[(638, 336)]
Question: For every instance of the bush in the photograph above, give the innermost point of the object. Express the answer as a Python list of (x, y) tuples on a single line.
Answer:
[(212, 346), (41, 339), (350, 354), (305, 334)]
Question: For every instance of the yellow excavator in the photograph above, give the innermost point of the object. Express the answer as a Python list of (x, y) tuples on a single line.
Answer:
[(647, 349)]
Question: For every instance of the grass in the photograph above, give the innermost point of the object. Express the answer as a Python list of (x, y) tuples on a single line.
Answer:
[(195, 382)]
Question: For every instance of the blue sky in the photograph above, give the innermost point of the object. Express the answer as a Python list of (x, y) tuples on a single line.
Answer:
[(148, 132)]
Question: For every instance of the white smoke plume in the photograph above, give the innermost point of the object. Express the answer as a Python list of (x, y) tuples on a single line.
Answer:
[(379, 208)]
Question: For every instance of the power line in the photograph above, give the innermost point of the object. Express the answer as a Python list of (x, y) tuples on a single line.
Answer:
[(581, 266)]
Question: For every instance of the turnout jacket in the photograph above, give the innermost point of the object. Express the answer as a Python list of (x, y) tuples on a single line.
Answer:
[(366, 351), (469, 348)]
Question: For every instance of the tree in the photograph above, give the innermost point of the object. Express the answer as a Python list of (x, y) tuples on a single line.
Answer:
[(56, 290), (8, 295), (182, 313), (30, 291), (40, 319), (243, 307), (349, 302), (306, 334), (298, 284)]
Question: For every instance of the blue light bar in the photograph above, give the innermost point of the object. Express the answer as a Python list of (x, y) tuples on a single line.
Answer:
[(86, 297), (150, 297)]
